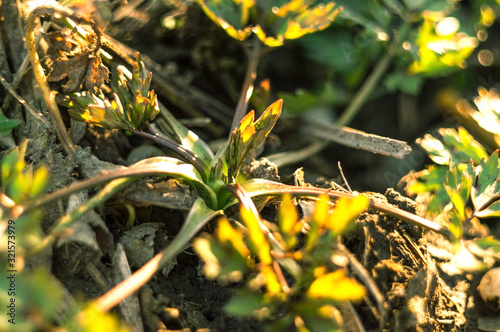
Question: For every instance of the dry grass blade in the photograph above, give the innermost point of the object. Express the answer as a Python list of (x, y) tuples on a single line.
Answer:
[(356, 139), (23, 102)]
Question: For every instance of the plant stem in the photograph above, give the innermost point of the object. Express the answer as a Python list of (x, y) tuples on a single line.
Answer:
[(254, 55), (244, 199), (48, 94), (198, 217), (371, 82), (21, 101), (352, 109), (185, 154), (143, 170), (271, 188), (68, 220)]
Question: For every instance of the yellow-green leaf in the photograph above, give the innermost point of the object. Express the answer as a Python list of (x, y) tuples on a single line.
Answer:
[(230, 236), (321, 210), (335, 286), (345, 213), (256, 236), (39, 181), (272, 283), (311, 20), (288, 216)]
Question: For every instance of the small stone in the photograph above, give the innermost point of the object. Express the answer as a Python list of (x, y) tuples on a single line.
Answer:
[(489, 288)]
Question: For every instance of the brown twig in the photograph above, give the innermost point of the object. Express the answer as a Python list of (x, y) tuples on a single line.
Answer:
[(254, 54), (48, 94), (270, 188), (21, 100), (368, 281)]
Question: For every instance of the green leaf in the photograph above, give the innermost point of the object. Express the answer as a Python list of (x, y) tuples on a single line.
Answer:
[(458, 202), (40, 179), (257, 239), (345, 213), (230, 15), (17, 191), (430, 181), (458, 187), (401, 81), (455, 222), (245, 139), (187, 138), (6, 125), (318, 223), (37, 294), (296, 19), (362, 12), (12, 165), (176, 168), (276, 21), (487, 116), (440, 54), (487, 246), (487, 189), (244, 303), (457, 147), (289, 222), (225, 255), (491, 211), (335, 286)]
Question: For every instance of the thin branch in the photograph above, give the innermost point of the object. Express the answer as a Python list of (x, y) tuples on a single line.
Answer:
[(69, 219), (366, 90), (254, 55), (21, 101), (187, 155), (270, 188), (48, 94), (143, 170), (128, 286), (368, 281)]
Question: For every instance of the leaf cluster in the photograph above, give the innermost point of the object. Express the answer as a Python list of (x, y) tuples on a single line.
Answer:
[(423, 39), (271, 22), (255, 253), (462, 188), (132, 105), (37, 293), (18, 181)]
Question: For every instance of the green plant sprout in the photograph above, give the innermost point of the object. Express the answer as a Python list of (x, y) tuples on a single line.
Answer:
[(38, 293), (215, 195), (461, 189), (6, 125), (210, 181), (378, 47), (317, 286), (133, 107)]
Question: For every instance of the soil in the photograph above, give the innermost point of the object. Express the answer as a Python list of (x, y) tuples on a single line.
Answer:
[(199, 70)]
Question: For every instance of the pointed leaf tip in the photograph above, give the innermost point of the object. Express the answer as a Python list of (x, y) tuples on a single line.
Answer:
[(275, 108)]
